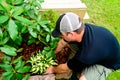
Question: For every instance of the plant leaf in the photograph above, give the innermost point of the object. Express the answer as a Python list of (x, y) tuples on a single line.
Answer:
[(20, 50), (18, 11), (3, 19), (48, 38), (1, 34), (31, 14), (47, 48), (6, 60), (6, 67), (5, 5), (18, 59), (19, 76), (24, 30), (43, 24), (19, 65), (2, 8), (46, 28), (4, 37), (24, 69), (11, 51), (5, 74), (12, 29), (27, 7), (9, 77), (4, 40), (33, 33), (50, 54), (38, 28), (26, 77), (18, 2), (23, 20), (18, 40), (30, 41), (41, 1)]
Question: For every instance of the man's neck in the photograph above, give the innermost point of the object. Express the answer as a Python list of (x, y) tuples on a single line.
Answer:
[(80, 36)]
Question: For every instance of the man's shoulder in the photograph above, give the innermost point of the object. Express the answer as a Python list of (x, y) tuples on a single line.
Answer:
[(92, 25), (89, 24), (96, 28)]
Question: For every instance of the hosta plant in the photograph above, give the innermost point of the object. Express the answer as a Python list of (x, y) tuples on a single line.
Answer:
[(40, 62)]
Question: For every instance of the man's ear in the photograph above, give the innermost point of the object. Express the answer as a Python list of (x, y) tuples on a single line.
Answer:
[(71, 34)]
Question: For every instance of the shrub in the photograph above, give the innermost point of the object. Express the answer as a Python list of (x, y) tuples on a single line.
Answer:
[(21, 22)]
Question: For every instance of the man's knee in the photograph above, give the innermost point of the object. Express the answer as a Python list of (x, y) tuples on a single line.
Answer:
[(96, 72)]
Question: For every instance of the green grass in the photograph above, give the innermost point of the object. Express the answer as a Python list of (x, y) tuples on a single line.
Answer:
[(105, 13)]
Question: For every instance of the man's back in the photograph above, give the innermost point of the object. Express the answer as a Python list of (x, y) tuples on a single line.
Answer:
[(100, 47)]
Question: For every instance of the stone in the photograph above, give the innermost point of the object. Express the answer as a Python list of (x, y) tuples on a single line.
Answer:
[(42, 77)]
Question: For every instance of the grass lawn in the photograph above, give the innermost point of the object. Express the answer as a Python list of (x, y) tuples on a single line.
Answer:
[(105, 13)]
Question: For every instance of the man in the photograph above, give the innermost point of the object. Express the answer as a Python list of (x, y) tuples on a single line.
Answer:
[(98, 50)]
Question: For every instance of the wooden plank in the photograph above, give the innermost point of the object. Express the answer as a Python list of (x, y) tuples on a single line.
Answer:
[(48, 4), (62, 6)]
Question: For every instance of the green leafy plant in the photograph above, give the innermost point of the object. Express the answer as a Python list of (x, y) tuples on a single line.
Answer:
[(40, 62), (20, 21), (46, 57), (52, 16), (14, 70)]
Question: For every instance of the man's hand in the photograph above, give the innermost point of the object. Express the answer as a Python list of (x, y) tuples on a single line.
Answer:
[(61, 68), (49, 70)]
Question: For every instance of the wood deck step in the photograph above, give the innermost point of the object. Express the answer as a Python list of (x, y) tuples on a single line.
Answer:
[(62, 6)]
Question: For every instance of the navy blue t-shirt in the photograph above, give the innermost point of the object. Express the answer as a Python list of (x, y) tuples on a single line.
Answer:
[(98, 46)]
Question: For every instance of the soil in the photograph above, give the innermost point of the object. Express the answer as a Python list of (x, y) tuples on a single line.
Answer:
[(29, 50)]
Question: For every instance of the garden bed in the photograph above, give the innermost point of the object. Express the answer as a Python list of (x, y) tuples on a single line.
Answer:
[(29, 50)]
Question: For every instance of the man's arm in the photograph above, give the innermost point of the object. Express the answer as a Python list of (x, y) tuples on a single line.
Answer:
[(61, 44), (61, 68)]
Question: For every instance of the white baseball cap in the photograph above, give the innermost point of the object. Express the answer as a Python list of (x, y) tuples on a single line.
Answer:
[(67, 22)]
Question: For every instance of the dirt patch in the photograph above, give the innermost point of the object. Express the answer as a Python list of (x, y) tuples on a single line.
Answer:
[(29, 50)]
